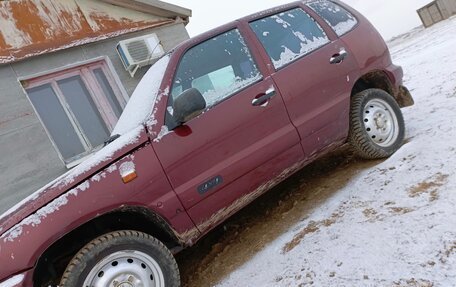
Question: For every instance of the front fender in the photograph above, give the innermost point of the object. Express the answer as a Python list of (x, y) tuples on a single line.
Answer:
[(23, 244)]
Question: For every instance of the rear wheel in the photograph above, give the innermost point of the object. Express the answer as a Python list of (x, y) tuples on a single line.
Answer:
[(122, 259), (376, 124)]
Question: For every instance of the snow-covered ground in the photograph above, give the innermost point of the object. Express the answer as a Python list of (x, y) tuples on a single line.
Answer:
[(393, 224)]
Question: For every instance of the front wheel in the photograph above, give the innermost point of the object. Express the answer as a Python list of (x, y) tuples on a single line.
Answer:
[(122, 258), (376, 124)]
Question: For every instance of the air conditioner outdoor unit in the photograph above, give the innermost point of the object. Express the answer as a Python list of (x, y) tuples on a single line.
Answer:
[(139, 52)]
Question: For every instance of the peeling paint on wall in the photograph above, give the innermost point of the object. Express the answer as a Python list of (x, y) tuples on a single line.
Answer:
[(11, 34), (33, 27), (98, 19)]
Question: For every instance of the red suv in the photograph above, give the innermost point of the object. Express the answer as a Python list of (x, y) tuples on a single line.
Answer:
[(213, 124)]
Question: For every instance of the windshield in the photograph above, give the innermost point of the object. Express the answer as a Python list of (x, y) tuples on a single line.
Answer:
[(141, 103)]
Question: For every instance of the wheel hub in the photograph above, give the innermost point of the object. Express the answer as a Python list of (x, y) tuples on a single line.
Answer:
[(126, 280), (126, 269), (380, 123)]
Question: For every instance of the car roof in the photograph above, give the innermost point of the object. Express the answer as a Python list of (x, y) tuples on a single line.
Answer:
[(269, 11), (221, 29)]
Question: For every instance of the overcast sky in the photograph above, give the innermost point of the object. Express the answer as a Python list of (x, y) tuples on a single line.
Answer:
[(391, 17)]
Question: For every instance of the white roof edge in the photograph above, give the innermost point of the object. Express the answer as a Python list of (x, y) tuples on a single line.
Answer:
[(155, 7)]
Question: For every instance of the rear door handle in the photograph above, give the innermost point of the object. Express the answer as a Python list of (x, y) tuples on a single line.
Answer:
[(339, 57), (263, 99)]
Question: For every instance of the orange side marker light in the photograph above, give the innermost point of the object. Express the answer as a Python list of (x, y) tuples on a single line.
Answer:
[(129, 177), (128, 172)]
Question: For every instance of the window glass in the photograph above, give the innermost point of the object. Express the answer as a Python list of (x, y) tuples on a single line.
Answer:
[(337, 17), (218, 68), (289, 35), (56, 120), (84, 109), (78, 108), (108, 91), (214, 82)]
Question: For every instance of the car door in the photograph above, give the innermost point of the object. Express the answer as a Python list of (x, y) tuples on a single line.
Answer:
[(314, 71), (222, 159)]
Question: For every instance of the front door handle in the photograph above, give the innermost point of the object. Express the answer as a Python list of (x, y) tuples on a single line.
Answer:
[(339, 57), (263, 99)]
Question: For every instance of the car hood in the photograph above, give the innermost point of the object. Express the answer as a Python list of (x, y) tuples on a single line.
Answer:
[(100, 160)]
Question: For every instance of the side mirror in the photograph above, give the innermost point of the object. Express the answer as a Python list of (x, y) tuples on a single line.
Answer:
[(188, 105)]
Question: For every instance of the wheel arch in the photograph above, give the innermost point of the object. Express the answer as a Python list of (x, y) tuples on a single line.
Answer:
[(375, 79), (54, 259)]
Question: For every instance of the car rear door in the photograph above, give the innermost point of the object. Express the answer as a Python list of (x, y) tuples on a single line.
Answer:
[(314, 71), (227, 156)]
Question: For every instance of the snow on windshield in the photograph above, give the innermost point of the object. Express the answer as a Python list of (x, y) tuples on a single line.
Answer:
[(142, 101)]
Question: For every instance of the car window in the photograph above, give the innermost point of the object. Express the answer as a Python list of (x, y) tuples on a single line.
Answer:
[(337, 17), (289, 35), (217, 80), (218, 68)]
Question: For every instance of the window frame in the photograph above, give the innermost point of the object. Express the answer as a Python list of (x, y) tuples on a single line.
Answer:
[(168, 117), (85, 70), (321, 23)]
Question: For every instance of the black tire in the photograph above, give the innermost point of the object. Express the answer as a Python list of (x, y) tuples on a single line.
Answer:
[(377, 127), (99, 251)]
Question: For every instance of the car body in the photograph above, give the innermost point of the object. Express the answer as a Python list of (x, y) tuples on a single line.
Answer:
[(269, 111)]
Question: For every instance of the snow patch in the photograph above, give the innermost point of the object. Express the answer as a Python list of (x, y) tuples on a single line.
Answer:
[(103, 155), (344, 27), (282, 22), (170, 110), (111, 168), (142, 102), (127, 168), (163, 132), (392, 224), (13, 281), (36, 218), (322, 7), (288, 56), (84, 186)]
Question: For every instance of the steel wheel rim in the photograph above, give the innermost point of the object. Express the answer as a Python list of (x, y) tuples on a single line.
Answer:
[(126, 269), (380, 123)]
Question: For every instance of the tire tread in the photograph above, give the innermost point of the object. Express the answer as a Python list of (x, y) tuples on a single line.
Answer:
[(360, 143), (78, 259)]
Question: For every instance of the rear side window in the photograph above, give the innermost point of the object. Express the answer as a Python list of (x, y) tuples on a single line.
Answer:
[(289, 35), (337, 17), (218, 68)]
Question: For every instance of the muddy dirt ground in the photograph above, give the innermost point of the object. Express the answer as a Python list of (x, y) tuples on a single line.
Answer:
[(233, 243)]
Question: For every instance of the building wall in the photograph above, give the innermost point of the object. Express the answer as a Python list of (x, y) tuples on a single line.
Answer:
[(28, 158), (443, 9), (437, 11), (450, 7), (425, 17)]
